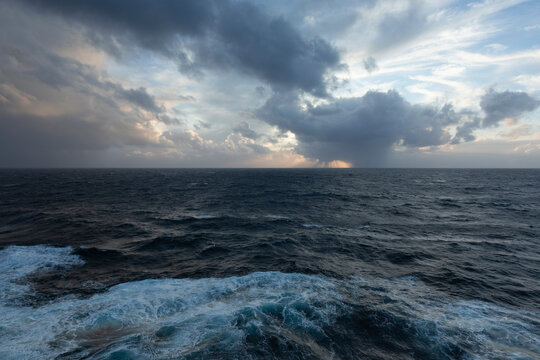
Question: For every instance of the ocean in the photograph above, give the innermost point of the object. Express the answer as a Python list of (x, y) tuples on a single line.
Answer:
[(270, 264)]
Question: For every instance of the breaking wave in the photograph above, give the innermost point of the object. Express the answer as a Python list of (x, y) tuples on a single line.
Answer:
[(260, 315)]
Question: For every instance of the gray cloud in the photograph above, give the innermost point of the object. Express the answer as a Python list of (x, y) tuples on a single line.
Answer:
[(30, 140), (207, 34), (359, 130), (168, 120), (244, 130), (398, 28), (370, 64), (56, 111), (202, 125), (464, 132), (260, 90), (496, 106), (507, 104), (364, 130), (324, 16), (139, 97)]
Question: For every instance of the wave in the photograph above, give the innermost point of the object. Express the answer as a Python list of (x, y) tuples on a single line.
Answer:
[(313, 226), (260, 315), (18, 262)]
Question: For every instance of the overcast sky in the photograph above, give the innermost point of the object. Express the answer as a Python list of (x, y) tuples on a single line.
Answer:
[(313, 83)]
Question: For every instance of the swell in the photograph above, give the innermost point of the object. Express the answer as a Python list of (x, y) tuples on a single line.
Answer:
[(261, 315)]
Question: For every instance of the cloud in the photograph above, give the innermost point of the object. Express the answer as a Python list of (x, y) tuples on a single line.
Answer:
[(244, 130), (57, 111), (360, 130), (365, 130), (139, 97), (65, 101), (497, 106), (507, 104), (400, 26), (233, 149), (517, 131), (207, 34), (29, 140), (370, 64), (464, 132)]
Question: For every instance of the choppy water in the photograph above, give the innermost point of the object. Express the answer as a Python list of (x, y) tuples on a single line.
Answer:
[(284, 264)]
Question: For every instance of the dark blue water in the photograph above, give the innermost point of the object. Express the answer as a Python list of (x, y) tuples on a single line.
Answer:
[(269, 264)]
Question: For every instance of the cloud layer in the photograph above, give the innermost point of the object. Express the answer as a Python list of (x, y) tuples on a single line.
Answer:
[(207, 34), (57, 111), (249, 83)]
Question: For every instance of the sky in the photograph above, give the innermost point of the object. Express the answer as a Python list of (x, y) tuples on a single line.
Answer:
[(282, 83)]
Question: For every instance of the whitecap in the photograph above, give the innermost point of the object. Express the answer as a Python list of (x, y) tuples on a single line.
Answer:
[(173, 318), (18, 262), (313, 226), (204, 217), (276, 217), (167, 317), (484, 330)]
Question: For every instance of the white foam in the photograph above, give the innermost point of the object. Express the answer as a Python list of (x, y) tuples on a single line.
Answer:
[(204, 217), (17, 262), (488, 330), (171, 318), (313, 226), (200, 313), (276, 217)]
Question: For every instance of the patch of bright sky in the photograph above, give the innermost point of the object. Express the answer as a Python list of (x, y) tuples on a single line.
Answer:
[(518, 22)]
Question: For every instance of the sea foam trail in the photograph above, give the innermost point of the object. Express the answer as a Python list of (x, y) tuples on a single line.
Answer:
[(261, 315)]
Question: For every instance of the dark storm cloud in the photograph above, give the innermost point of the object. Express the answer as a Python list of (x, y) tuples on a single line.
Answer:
[(207, 34), (359, 130), (148, 20), (507, 104), (273, 50), (363, 130)]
